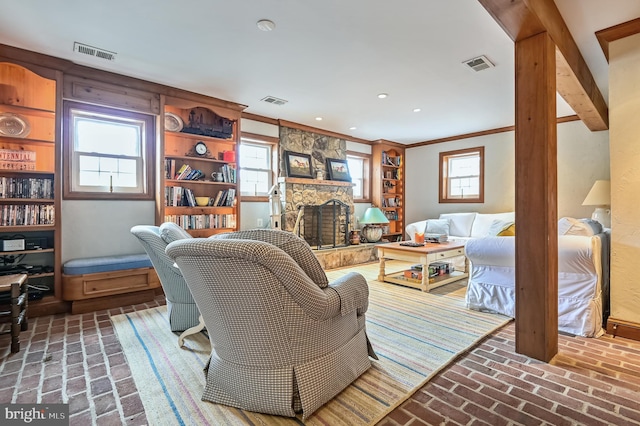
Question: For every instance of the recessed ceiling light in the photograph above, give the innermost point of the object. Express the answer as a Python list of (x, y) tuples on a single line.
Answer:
[(382, 95), (319, 118), (352, 128), (265, 25), (417, 110)]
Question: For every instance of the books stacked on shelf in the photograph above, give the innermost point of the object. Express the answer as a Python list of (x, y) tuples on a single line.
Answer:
[(185, 172), (13, 187), (228, 173), (388, 160), (177, 196), (225, 197), (436, 269), (390, 202), (203, 221), (27, 214)]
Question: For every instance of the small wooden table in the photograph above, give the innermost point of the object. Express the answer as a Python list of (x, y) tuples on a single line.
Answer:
[(16, 285), (424, 255)]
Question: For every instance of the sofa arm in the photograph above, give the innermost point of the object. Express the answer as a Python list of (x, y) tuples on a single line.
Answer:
[(414, 227), (495, 251), (353, 291)]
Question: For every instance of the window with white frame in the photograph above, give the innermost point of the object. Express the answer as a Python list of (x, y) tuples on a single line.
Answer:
[(462, 176), (256, 167), (359, 171), (108, 152)]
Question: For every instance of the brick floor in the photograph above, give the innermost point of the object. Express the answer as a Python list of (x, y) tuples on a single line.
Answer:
[(78, 360)]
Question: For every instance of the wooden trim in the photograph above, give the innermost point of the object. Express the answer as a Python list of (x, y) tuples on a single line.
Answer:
[(298, 126), (536, 173), (442, 176), (305, 181), (366, 172), (617, 32), (254, 199), (521, 19), (259, 118), (621, 328), (388, 143), (262, 138), (565, 119)]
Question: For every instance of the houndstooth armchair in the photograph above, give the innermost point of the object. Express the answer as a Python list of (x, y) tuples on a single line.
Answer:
[(182, 310), (282, 343)]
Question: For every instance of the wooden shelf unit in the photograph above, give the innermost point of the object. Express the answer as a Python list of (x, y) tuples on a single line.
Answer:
[(178, 150), (33, 93), (388, 186)]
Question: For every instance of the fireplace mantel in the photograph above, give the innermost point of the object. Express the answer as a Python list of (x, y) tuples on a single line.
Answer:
[(304, 181)]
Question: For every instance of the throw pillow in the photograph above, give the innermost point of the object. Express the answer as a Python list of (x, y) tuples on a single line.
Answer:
[(437, 226), (501, 228)]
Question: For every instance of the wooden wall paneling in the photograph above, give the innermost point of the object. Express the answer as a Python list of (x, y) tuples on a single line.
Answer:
[(536, 198)]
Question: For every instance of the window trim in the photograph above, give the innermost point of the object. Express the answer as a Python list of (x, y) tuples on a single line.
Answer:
[(443, 171), (366, 176), (262, 139), (148, 153)]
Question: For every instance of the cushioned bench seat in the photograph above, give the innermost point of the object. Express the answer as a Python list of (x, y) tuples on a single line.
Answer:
[(108, 281), (91, 265)]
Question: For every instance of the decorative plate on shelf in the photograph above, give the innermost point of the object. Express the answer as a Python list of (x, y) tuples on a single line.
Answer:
[(172, 122), (14, 125)]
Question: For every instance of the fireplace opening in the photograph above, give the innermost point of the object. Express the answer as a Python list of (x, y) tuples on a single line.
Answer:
[(325, 225)]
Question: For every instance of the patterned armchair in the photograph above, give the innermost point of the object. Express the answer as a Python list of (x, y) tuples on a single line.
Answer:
[(181, 308), (282, 343)]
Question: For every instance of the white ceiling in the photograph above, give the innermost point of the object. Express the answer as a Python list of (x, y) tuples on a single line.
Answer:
[(327, 58)]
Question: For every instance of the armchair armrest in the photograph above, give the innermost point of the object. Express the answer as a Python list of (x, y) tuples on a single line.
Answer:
[(353, 291)]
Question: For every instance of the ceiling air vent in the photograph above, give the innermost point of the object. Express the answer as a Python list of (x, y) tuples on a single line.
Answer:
[(478, 64), (85, 49), (273, 100)]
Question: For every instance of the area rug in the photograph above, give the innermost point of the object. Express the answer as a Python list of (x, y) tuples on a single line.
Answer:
[(415, 335)]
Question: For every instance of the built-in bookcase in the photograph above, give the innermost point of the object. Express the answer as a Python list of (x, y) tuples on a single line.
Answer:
[(388, 186)]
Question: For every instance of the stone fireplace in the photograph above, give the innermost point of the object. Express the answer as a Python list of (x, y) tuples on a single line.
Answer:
[(325, 225)]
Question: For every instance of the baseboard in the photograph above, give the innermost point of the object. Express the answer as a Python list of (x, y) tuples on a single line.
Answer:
[(626, 329)]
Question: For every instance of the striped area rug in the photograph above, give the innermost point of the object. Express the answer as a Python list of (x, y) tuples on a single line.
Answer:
[(415, 335)]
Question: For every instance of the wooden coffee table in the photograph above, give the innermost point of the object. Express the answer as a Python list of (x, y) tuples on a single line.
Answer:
[(424, 255)]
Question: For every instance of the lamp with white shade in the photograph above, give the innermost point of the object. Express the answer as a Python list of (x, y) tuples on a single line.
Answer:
[(600, 196), (373, 217)]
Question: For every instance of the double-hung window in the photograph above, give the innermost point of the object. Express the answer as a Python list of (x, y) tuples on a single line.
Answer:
[(256, 165), (108, 152), (462, 176), (359, 171)]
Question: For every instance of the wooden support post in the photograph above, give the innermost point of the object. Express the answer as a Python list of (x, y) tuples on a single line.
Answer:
[(536, 198)]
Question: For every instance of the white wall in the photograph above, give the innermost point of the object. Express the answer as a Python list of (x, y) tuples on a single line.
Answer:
[(583, 157), (102, 228), (624, 110)]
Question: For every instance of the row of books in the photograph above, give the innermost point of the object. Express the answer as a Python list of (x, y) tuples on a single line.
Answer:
[(11, 187), (391, 202), (225, 197), (228, 173), (27, 214), (185, 172), (203, 221), (178, 196)]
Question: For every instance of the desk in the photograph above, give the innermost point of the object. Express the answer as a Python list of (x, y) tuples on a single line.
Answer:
[(424, 255), (16, 284)]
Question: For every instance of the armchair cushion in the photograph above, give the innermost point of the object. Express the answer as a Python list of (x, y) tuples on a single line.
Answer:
[(171, 232)]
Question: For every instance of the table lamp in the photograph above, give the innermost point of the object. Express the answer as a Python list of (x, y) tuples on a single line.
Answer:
[(600, 196), (373, 217)]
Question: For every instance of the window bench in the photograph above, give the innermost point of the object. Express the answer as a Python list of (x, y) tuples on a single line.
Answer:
[(106, 282)]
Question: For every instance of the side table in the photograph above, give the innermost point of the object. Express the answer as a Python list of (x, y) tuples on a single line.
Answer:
[(16, 286)]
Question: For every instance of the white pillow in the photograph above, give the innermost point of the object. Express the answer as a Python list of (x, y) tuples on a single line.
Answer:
[(459, 223), (498, 226), (571, 226), (437, 226), (483, 222)]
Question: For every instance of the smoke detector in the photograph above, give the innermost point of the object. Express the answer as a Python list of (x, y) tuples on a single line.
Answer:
[(96, 52), (273, 100), (478, 64)]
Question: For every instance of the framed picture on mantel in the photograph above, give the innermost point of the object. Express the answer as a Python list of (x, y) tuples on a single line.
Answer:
[(297, 164), (338, 169)]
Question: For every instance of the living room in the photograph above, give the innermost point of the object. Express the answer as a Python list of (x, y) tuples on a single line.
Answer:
[(583, 157)]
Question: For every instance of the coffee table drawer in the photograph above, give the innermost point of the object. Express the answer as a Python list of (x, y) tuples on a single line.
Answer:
[(450, 253)]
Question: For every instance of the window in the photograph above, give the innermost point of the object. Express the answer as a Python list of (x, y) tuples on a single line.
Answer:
[(462, 176), (256, 166), (108, 153), (359, 170)]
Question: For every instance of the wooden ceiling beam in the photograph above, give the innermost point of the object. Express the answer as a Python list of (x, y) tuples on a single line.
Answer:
[(521, 19)]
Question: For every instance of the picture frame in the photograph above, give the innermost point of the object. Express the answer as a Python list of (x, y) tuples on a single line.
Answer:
[(298, 164), (338, 170)]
